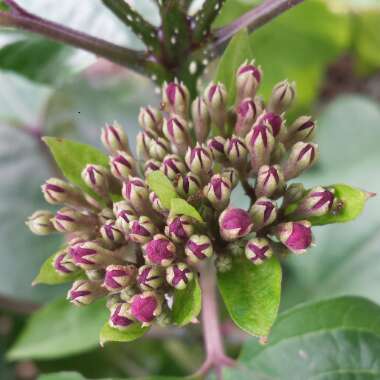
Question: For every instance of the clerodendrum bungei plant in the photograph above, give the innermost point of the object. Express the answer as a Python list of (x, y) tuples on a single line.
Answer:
[(151, 233)]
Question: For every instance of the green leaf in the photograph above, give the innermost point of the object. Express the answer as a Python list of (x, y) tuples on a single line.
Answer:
[(162, 186), (133, 332), (181, 207), (49, 276), (72, 157), (330, 340), (252, 294), (237, 51), (58, 330), (187, 303), (77, 376)]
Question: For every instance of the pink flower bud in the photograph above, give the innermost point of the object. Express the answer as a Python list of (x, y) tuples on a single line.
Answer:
[(143, 141), (118, 277), (158, 148), (141, 230), (218, 191), (198, 248), (149, 278), (70, 220), (275, 122), (248, 78), (301, 130), (40, 222), (199, 159), (145, 307), (151, 166), (234, 223), (63, 263), (120, 317), (232, 175), (57, 191), (270, 181), (282, 97), (97, 178), (111, 233), (84, 292), (236, 151), (317, 202), (172, 165), (188, 185), (216, 98), (156, 203), (216, 146), (260, 143), (135, 191), (302, 157), (150, 119), (201, 119), (179, 275), (122, 165), (258, 250), (175, 98), (263, 212), (114, 138), (90, 255), (160, 251), (246, 113), (179, 228), (124, 215), (176, 130), (296, 236)]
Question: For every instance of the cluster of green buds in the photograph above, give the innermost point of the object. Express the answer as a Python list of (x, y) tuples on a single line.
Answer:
[(135, 251)]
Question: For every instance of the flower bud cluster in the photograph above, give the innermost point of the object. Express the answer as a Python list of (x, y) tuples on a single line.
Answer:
[(134, 251)]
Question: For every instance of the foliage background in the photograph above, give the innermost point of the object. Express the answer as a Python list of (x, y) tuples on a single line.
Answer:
[(330, 48)]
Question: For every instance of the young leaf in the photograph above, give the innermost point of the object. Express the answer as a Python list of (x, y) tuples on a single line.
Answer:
[(187, 303), (238, 50), (181, 207), (109, 334), (72, 157), (252, 294), (59, 330), (161, 185), (49, 276)]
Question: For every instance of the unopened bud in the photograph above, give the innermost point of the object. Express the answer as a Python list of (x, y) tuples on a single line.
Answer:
[(84, 292), (40, 222), (158, 148), (143, 141), (124, 215), (97, 178), (122, 165), (232, 175), (160, 251), (301, 130), (111, 233), (317, 202), (218, 191), (201, 119), (260, 143), (114, 138), (90, 255), (216, 98), (172, 165), (188, 185), (179, 228), (236, 151), (302, 157), (136, 192), (258, 250), (216, 145), (175, 98), (151, 166), (118, 277), (293, 193), (296, 236), (263, 212), (105, 215), (275, 122), (150, 119), (63, 263), (57, 191), (142, 230), (179, 275), (234, 223), (198, 248), (156, 203), (176, 130), (246, 113), (248, 78), (270, 181), (70, 220), (199, 159), (146, 307), (282, 97), (149, 278), (120, 317)]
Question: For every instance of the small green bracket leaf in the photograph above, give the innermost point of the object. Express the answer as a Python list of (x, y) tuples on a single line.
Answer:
[(181, 207), (252, 294), (187, 303), (133, 332), (161, 185)]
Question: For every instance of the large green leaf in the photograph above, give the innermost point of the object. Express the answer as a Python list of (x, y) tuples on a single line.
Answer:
[(133, 332), (329, 340), (187, 303), (162, 186), (58, 330), (252, 294), (179, 206)]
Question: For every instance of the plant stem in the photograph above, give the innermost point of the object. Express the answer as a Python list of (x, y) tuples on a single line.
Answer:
[(253, 19), (215, 356)]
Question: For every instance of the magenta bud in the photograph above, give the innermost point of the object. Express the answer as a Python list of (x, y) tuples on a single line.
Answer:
[(172, 165), (135, 191), (179, 228), (263, 212), (199, 159), (145, 307), (114, 138), (143, 141), (234, 223), (179, 275), (156, 203), (248, 78), (150, 119), (120, 317), (149, 278), (84, 292), (70, 220), (118, 277), (260, 143), (158, 148), (201, 119), (218, 191), (232, 175), (270, 181), (275, 122), (301, 130), (142, 230), (40, 222), (63, 263), (302, 157), (246, 113), (188, 185), (282, 97), (57, 191), (216, 145), (124, 215), (175, 98), (122, 165), (90, 255), (97, 178), (236, 151), (317, 202), (198, 248), (296, 236), (111, 233), (215, 96), (160, 251), (151, 166), (258, 250)]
